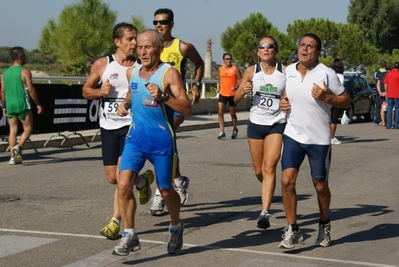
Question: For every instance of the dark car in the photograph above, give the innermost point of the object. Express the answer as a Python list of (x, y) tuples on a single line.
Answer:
[(362, 97)]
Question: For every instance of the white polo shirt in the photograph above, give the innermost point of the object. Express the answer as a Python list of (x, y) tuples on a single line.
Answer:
[(308, 121)]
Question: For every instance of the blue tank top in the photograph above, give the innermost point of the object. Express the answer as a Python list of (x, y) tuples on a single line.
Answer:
[(152, 121)]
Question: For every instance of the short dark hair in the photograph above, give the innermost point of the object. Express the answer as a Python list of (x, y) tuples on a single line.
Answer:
[(383, 63), (167, 11), (16, 53), (388, 66), (315, 37), (120, 28), (227, 54), (338, 66), (396, 65)]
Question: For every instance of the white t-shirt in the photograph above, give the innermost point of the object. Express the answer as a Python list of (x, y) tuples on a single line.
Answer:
[(116, 74), (266, 94), (308, 121)]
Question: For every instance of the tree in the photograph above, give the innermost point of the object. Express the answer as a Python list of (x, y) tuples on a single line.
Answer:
[(354, 49), (378, 21), (82, 34), (242, 39), (138, 22), (327, 31)]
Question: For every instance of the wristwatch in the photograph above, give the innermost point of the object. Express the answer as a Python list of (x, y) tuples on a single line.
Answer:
[(165, 96), (198, 84)]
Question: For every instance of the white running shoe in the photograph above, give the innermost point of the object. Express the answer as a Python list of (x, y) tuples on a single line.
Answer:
[(182, 189), (157, 205), (335, 141)]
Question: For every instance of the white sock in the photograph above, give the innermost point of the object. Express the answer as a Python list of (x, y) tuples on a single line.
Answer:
[(130, 231), (116, 220), (176, 227), (264, 212), (177, 182), (157, 192), (142, 183)]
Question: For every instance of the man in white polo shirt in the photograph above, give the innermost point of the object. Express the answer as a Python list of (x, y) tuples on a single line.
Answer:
[(311, 89)]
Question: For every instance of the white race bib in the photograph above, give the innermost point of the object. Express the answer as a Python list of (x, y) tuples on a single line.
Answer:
[(266, 102), (111, 107)]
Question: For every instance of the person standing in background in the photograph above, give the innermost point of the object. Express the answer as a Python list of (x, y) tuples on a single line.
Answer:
[(380, 96), (229, 79), (338, 66), (391, 82), (16, 93)]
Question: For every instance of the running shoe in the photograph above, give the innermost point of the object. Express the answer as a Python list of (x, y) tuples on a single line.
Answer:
[(12, 161), (264, 220), (176, 239), (17, 154), (127, 244), (157, 206), (335, 141), (144, 194), (221, 135), (290, 238), (234, 134), (182, 189), (111, 231), (324, 239)]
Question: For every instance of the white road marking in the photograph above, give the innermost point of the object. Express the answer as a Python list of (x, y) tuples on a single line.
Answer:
[(361, 263)]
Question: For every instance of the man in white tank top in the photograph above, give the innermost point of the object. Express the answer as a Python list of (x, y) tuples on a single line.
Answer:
[(110, 71)]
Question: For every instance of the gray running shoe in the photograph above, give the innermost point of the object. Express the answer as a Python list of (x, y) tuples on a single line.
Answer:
[(290, 238), (221, 135), (264, 221), (176, 240), (127, 244), (234, 134), (12, 161), (157, 205), (182, 189), (324, 239), (17, 154)]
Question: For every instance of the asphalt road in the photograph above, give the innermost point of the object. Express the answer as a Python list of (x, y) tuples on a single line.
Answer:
[(64, 201)]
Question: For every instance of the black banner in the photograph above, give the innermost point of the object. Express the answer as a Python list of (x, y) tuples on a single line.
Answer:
[(65, 109)]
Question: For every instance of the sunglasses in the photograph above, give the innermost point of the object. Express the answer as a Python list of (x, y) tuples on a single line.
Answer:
[(162, 22), (264, 46)]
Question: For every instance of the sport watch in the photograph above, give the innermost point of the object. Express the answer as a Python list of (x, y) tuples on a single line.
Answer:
[(165, 96), (198, 84)]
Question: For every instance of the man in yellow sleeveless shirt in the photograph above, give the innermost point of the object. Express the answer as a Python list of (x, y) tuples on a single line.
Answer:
[(176, 53)]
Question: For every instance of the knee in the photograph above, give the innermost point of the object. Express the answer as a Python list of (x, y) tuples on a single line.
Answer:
[(125, 185), (287, 183), (321, 187)]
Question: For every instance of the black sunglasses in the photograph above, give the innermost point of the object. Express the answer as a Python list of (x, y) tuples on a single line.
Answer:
[(263, 46), (162, 22)]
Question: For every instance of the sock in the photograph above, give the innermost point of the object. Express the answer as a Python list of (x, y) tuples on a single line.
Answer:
[(177, 182), (175, 228), (142, 183), (126, 231), (324, 222), (264, 212), (157, 192), (116, 220)]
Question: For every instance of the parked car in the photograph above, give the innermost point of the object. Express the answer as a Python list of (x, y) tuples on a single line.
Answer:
[(362, 97)]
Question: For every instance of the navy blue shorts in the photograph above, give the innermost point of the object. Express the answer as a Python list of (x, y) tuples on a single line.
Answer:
[(112, 144), (256, 131), (319, 157), (229, 99)]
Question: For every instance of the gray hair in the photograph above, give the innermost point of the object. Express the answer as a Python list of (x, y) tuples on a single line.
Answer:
[(158, 40)]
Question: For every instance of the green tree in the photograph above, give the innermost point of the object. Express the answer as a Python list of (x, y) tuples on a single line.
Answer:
[(354, 49), (82, 33), (378, 21), (327, 30), (138, 22), (242, 39)]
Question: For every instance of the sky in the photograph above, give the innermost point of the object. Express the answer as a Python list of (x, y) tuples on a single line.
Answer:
[(196, 21)]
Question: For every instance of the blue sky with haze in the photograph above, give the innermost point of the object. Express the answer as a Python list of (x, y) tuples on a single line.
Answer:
[(195, 21)]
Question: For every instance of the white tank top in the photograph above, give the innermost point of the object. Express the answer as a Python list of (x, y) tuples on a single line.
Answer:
[(116, 74), (266, 94)]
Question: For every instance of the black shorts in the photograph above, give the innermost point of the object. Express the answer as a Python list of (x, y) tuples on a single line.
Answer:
[(112, 144), (335, 113), (256, 131), (225, 99)]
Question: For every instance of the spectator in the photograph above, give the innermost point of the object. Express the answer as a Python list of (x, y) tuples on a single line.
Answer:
[(229, 78), (338, 66), (391, 82), (16, 93), (380, 96)]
